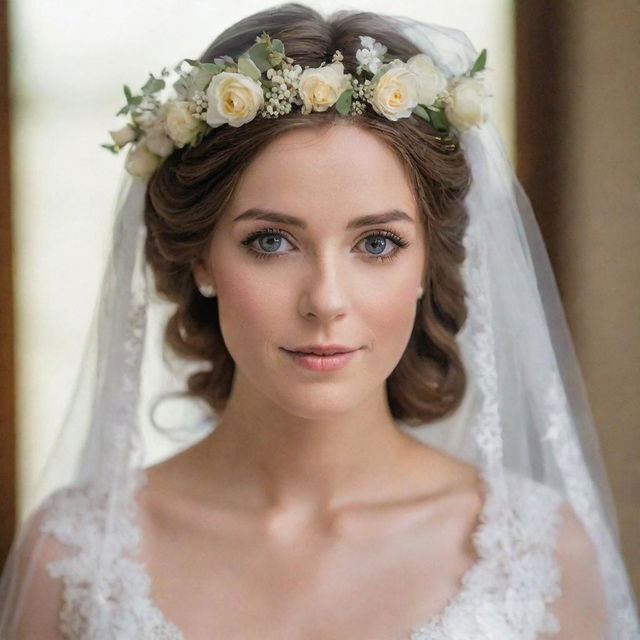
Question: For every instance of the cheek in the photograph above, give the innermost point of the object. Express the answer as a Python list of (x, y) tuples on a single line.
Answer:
[(249, 311)]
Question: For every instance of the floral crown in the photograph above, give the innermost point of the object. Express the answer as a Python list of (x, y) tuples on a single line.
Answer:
[(265, 82)]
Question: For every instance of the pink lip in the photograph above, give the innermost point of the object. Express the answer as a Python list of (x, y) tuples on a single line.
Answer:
[(323, 349), (322, 363)]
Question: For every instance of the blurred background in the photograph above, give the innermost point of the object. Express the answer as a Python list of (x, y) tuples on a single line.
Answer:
[(567, 102)]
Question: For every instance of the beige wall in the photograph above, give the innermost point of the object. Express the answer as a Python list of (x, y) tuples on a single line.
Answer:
[(598, 244)]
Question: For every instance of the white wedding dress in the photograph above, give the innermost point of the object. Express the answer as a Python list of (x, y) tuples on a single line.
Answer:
[(505, 595)]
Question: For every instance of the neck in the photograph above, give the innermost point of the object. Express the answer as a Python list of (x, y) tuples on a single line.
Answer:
[(276, 460)]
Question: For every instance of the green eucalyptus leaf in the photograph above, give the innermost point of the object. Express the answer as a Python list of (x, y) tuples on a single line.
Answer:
[(259, 54), (343, 103), (200, 80), (192, 62), (212, 68), (419, 110), (127, 93), (153, 85), (277, 46), (480, 62), (248, 68)]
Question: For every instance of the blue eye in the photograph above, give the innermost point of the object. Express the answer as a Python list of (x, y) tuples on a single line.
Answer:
[(275, 237)]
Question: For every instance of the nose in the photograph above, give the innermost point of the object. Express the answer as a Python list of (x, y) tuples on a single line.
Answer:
[(323, 294)]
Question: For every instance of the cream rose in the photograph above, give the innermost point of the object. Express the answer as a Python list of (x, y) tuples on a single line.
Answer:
[(233, 99), (140, 162), (465, 105), (155, 136), (180, 124), (321, 87), (395, 94), (431, 80), (123, 136)]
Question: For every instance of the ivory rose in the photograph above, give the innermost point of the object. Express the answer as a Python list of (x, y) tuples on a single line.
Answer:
[(140, 162), (233, 99), (123, 136), (180, 124), (321, 87), (395, 94), (431, 80), (465, 105)]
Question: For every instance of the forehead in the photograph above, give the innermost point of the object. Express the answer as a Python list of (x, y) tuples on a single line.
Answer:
[(325, 174)]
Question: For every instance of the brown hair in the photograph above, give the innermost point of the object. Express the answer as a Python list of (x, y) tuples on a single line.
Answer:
[(189, 191)]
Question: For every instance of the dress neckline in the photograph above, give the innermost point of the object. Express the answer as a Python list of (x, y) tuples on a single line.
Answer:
[(422, 631)]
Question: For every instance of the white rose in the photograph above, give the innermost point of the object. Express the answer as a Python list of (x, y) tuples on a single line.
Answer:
[(233, 99), (465, 105), (140, 162), (160, 144), (180, 124), (155, 136), (395, 94), (321, 87), (123, 136), (431, 80)]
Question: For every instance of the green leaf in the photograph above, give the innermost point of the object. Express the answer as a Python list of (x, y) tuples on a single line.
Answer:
[(343, 103), (127, 93), (439, 120), (248, 68), (153, 85), (277, 46), (111, 147), (259, 54), (419, 110), (480, 63), (212, 68)]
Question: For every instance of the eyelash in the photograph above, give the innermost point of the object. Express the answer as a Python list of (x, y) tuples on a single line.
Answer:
[(262, 255)]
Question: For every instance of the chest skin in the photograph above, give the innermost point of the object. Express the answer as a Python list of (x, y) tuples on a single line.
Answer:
[(371, 571)]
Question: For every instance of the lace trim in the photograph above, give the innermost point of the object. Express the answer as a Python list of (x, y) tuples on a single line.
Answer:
[(506, 594), (106, 593), (583, 497)]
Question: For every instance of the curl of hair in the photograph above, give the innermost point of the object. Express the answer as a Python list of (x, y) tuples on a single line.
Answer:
[(188, 193)]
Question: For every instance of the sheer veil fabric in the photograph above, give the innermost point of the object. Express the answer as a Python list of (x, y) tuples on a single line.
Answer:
[(525, 413)]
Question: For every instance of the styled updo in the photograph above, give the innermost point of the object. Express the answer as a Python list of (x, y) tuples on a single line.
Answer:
[(188, 193)]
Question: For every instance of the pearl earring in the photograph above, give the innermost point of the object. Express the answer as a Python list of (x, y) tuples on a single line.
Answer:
[(420, 292), (207, 290)]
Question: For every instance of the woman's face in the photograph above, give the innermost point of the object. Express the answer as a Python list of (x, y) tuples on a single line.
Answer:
[(322, 276)]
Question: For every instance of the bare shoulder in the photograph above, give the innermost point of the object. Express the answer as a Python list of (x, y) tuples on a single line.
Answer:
[(581, 606)]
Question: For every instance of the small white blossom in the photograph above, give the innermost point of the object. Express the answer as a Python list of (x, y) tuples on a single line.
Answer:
[(370, 58)]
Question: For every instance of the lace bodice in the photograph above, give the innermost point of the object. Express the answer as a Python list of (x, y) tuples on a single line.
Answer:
[(505, 595)]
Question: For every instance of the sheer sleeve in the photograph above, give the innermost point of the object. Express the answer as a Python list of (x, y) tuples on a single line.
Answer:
[(581, 608), (34, 598)]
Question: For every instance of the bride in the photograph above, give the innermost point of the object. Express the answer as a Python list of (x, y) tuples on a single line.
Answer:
[(322, 230)]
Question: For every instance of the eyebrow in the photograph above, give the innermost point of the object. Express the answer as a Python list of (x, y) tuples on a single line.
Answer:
[(393, 215)]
